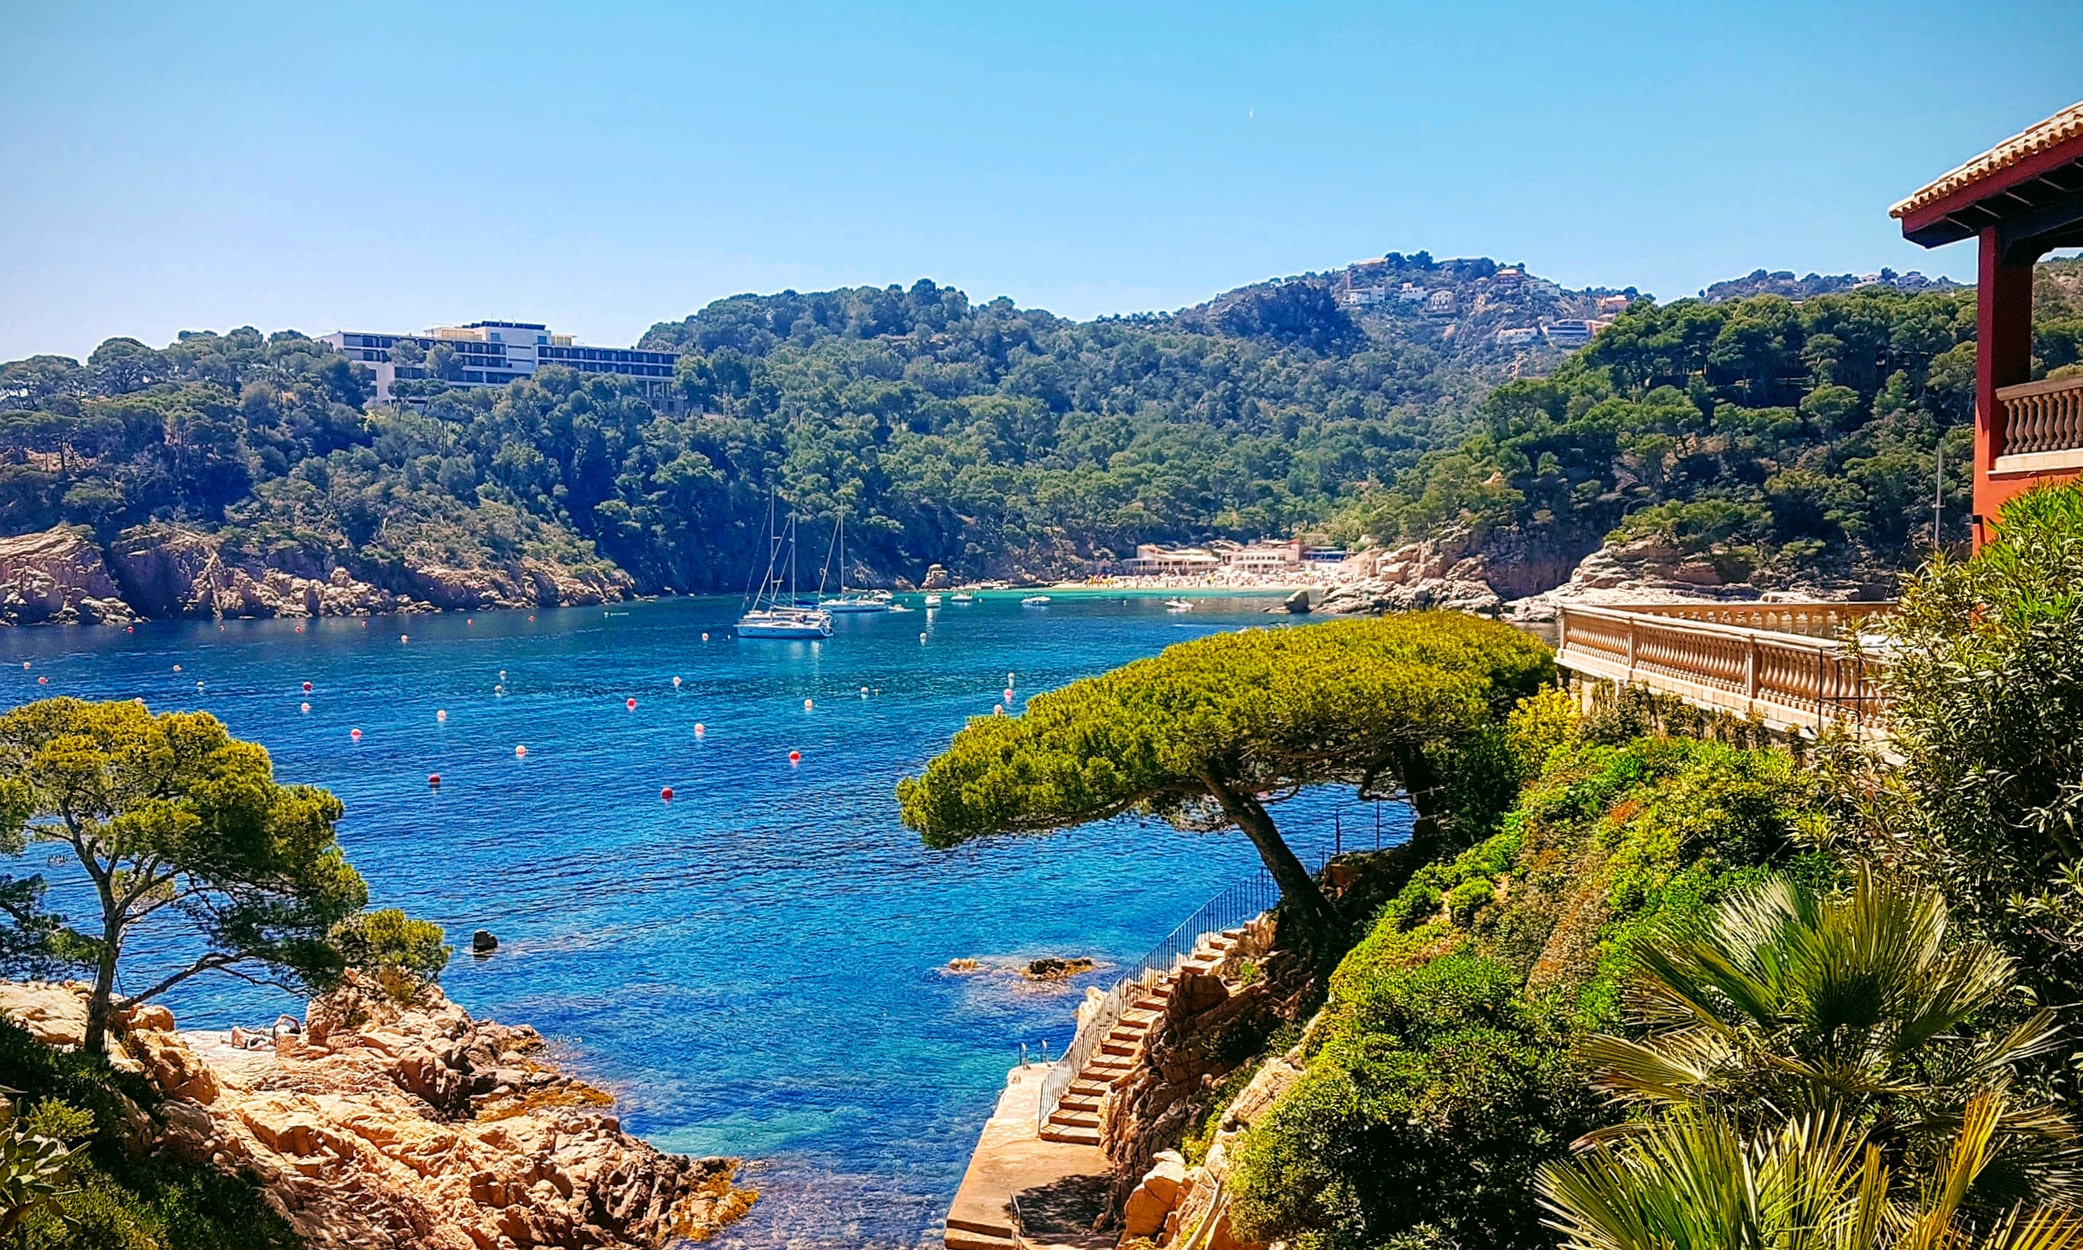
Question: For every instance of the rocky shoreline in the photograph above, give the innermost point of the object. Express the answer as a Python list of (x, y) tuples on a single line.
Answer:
[(62, 576), (381, 1127)]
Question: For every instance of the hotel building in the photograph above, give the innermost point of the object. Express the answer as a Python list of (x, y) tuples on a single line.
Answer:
[(493, 353)]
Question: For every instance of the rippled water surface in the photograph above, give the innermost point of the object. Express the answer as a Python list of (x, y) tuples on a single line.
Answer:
[(757, 967)]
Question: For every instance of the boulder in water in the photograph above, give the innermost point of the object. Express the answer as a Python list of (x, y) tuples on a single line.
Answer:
[(483, 943), (1052, 968)]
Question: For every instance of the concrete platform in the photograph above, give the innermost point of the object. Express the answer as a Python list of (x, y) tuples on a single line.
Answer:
[(1061, 1187)]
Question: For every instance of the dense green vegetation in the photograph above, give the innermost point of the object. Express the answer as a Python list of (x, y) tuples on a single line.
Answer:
[(1200, 733), (1775, 437), (1708, 995), (106, 1194), (989, 437), (1442, 1074)]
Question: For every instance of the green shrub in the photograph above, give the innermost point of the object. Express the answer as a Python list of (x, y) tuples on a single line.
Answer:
[(1440, 1075), (122, 1200)]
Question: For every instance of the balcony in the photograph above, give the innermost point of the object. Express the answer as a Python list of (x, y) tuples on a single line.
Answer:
[(2042, 426), (1785, 664)]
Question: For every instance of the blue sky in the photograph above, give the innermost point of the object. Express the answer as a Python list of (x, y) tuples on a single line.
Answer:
[(602, 167)]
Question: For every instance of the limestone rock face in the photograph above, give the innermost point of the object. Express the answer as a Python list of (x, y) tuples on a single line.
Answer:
[(395, 1128), (58, 576), (174, 571), (1651, 570), (1452, 571)]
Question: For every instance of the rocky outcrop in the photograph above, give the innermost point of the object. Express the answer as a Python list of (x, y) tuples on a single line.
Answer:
[(172, 571), (58, 576), (177, 571), (408, 1128), (1655, 570), (1448, 572)]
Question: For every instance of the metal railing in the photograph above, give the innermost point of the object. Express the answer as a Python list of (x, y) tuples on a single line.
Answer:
[(1239, 903), (1788, 681)]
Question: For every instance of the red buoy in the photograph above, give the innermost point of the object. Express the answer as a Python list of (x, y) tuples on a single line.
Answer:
[(355, 734), (43, 681), (307, 687), (666, 794), (434, 780), (631, 704), (795, 757)]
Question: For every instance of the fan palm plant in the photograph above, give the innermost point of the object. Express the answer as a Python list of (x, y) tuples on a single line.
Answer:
[(1784, 1004), (1692, 1181)]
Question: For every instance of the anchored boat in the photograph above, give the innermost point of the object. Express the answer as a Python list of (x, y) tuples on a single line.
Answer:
[(769, 615)]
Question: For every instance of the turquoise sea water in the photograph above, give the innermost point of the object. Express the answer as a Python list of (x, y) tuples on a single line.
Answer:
[(756, 968)]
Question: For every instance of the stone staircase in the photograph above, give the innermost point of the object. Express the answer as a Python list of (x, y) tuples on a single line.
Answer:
[(1076, 1118)]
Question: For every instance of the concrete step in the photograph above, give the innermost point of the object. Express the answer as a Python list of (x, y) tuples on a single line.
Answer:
[(1074, 1119), (966, 1239), (1072, 1136), (1082, 1088), (989, 1226)]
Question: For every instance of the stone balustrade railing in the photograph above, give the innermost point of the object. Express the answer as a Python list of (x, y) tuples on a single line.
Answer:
[(2041, 418), (1790, 680), (1814, 620)]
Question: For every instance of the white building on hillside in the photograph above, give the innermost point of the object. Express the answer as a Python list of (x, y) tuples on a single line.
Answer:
[(494, 353)]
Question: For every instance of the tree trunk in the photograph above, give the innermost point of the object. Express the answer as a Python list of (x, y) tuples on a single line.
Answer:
[(1421, 782), (104, 994), (1296, 885)]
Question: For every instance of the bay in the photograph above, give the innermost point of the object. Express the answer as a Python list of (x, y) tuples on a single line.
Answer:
[(757, 967)]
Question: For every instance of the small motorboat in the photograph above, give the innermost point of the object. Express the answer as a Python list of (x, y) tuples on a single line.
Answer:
[(962, 596), (1178, 605), (1035, 601), (932, 601)]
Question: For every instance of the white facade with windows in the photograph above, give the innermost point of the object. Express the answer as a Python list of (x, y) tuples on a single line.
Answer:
[(494, 353)]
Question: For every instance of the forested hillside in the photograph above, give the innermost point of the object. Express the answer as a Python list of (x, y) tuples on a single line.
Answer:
[(1004, 441), (1781, 438), (989, 438)]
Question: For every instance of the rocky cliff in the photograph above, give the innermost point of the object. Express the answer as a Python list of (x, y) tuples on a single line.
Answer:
[(383, 1127), (168, 571), (58, 576)]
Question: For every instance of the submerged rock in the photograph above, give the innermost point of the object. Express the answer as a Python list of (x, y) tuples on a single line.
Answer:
[(1051, 968)]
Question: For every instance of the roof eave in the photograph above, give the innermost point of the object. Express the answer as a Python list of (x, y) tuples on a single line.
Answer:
[(1960, 215)]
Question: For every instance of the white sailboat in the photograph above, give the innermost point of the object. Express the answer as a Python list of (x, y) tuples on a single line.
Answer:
[(855, 602), (768, 615)]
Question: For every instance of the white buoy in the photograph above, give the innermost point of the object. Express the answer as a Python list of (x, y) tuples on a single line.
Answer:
[(177, 668), (502, 674), (676, 683), (700, 729), (922, 638), (705, 635), (864, 692), (305, 708), (521, 753), (998, 709), (807, 705), (1008, 681), (441, 714), (404, 637)]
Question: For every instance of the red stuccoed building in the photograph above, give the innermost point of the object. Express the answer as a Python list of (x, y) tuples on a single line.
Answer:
[(2019, 200)]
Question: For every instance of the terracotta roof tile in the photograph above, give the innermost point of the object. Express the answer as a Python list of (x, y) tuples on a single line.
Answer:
[(2060, 128)]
